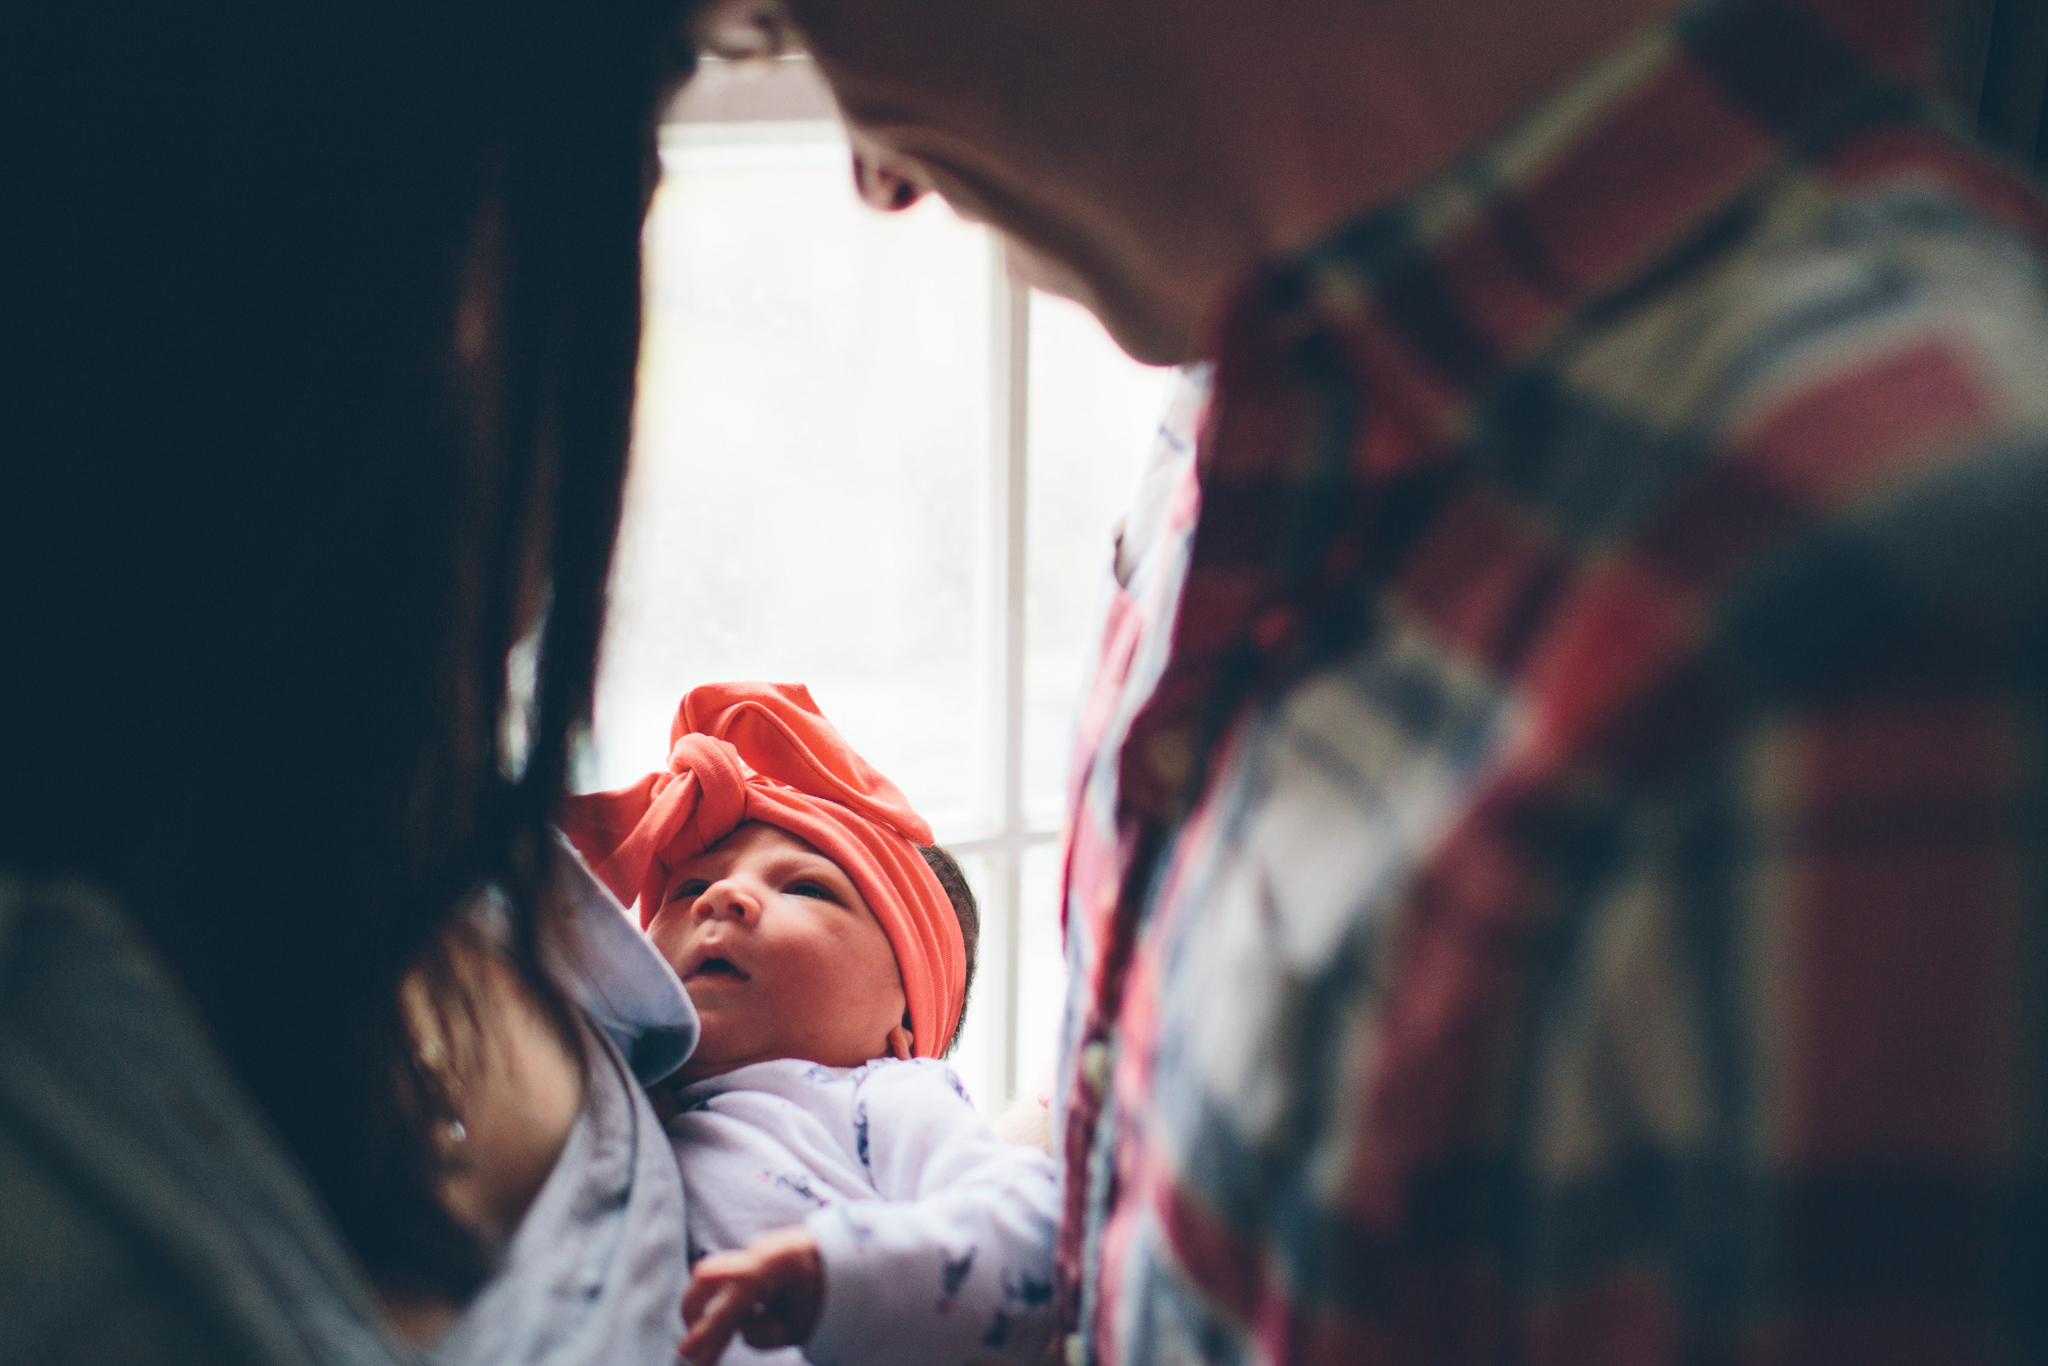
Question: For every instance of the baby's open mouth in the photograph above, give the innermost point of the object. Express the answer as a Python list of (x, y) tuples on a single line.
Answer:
[(716, 968)]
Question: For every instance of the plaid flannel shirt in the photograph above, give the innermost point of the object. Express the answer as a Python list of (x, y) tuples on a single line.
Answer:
[(1557, 860)]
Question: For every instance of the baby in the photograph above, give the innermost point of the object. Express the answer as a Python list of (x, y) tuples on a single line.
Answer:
[(843, 1195)]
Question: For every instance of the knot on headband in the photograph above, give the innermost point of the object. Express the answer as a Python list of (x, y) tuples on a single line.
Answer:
[(764, 752), (720, 776)]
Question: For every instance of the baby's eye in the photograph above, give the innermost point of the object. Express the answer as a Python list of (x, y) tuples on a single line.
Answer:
[(816, 889), (685, 891)]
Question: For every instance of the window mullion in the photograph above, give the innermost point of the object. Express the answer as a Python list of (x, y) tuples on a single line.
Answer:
[(1010, 349), (1019, 480)]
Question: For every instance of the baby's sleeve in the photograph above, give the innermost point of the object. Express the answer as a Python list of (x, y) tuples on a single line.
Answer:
[(954, 1262)]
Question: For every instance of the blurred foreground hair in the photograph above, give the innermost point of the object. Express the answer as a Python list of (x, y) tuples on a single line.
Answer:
[(320, 331)]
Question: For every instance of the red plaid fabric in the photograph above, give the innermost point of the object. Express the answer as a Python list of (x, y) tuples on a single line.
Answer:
[(1560, 841)]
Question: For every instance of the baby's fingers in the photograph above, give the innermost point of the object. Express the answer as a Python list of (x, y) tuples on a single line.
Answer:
[(714, 1273), (713, 1318)]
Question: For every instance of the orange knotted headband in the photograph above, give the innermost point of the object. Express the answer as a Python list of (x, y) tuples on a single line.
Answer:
[(763, 752)]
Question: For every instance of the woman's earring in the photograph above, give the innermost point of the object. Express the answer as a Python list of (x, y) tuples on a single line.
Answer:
[(430, 1060)]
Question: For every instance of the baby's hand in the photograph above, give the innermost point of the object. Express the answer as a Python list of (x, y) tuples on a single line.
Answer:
[(770, 1293)]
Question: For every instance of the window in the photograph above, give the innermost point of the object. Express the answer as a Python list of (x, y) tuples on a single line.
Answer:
[(865, 461)]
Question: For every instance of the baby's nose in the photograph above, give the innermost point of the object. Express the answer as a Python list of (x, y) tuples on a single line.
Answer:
[(729, 899)]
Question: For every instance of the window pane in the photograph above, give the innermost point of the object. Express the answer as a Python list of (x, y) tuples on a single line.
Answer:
[(808, 489), (1092, 414)]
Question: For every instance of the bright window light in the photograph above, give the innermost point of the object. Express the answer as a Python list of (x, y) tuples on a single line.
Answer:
[(864, 461)]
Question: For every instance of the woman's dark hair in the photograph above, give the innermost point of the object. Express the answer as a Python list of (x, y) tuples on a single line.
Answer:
[(947, 869), (321, 323)]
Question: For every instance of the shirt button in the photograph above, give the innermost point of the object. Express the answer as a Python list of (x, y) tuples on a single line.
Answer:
[(1077, 1350), (1095, 1065), (1173, 757)]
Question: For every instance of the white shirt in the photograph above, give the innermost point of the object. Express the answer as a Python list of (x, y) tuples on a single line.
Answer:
[(936, 1237)]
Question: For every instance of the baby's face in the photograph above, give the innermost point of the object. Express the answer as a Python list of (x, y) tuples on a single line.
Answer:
[(781, 956)]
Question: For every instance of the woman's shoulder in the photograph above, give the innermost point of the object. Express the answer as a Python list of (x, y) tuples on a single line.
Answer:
[(149, 1214)]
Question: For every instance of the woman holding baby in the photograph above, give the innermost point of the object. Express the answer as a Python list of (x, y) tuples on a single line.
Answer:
[(315, 1045)]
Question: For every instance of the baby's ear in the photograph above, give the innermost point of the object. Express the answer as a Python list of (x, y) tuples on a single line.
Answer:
[(898, 1042)]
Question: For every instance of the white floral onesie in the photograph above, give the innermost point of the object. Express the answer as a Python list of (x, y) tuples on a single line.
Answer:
[(936, 1236)]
